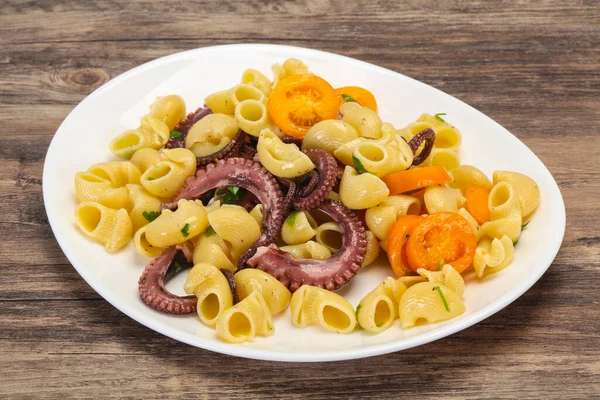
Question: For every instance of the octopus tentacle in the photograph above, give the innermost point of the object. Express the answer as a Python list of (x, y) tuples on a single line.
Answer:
[(227, 151), (326, 167), (248, 151), (427, 136), (291, 139), (328, 274), (250, 176), (184, 126), (152, 283), (312, 178), (232, 286)]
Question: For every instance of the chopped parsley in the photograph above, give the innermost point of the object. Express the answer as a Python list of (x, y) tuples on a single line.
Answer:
[(443, 297), (151, 215), (357, 309), (291, 219), (209, 231), (348, 99), (230, 196), (185, 231), (515, 242), (150, 178), (175, 135), (360, 168), (177, 267), (440, 265), (524, 225), (439, 118)]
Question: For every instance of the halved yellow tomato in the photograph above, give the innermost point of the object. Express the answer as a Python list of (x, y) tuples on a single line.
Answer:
[(355, 93), (300, 101)]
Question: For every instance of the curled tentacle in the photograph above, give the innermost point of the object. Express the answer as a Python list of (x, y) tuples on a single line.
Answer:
[(232, 285), (307, 183), (227, 151), (152, 283), (291, 139), (248, 150), (328, 274), (326, 167), (247, 175), (427, 136), (184, 126)]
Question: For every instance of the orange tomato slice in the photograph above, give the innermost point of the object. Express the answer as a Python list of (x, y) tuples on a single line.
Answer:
[(416, 178), (397, 239), (443, 236), (300, 101), (361, 95), (477, 202)]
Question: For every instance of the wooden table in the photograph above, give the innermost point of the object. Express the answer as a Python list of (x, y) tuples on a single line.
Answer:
[(531, 66)]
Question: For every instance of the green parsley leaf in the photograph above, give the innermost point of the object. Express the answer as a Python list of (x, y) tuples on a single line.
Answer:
[(151, 215), (348, 99), (380, 324), (437, 116), (440, 265), (175, 134), (150, 178), (359, 167), (357, 309), (230, 196), (177, 267), (525, 225), (515, 242), (209, 231), (443, 298), (291, 219), (185, 231)]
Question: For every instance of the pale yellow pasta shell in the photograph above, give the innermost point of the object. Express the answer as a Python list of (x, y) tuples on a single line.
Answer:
[(245, 91), (297, 228), (174, 227), (142, 246), (140, 203), (447, 137), (258, 213), (510, 227), (249, 318), (443, 199), (467, 174), (92, 188), (503, 201), (275, 294), (366, 121), (373, 249), (258, 80), (169, 109), (281, 159), (345, 151), (443, 158), (526, 190), (492, 256), (144, 158), (471, 220), (210, 248), (221, 102), (362, 191), (238, 229), (329, 135), (211, 133), (447, 276), (423, 301), (112, 228), (313, 305), (310, 249), (378, 309), (251, 116), (329, 235), (212, 289)]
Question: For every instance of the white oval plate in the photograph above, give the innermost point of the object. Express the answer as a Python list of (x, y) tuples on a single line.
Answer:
[(83, 139)]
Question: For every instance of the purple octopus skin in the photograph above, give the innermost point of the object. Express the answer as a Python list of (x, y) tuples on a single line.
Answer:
[(292, 140), (427, 136), (250, 176), (247, 150), (232, 286), (328, 274), (326, 167), (184, 126), (227, 151), (152, 283)]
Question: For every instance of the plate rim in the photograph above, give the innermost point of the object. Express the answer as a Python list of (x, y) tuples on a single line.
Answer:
[(281, 356)]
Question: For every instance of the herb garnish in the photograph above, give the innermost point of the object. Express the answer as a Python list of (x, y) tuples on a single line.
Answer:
[(439, 118), (185, 231), (150, 178), (209, 231), (291, 219), (348, 99), (151, 215), (360, 168), (525, 225), (357, 309), (175, 134), (442, 296), (230, 196), (440, 265), (177, 267)]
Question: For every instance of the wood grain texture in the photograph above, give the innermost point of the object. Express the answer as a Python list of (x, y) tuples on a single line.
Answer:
[(533, 66)]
